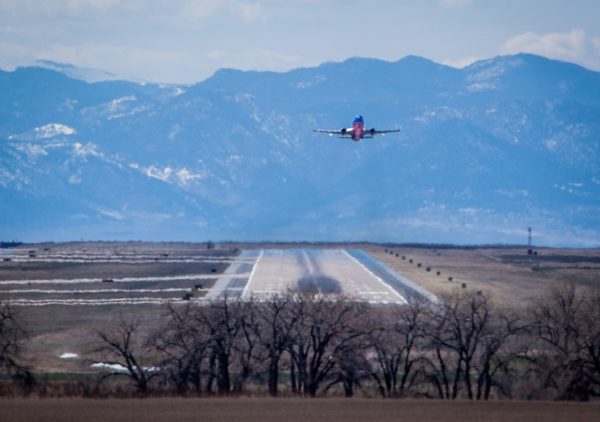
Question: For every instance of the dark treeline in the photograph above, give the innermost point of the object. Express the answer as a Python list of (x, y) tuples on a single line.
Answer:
[(463, 347), (6, 245), (12, 336)]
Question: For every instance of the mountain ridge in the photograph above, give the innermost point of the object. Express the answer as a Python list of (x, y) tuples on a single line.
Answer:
[(485, 151)]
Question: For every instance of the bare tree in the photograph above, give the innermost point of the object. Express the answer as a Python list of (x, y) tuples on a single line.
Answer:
[(183, 345), (351, 367), (222, 328), (247, 348), (565, 321), (591, 341), (275, 322), (394, 365), (122, 345), (324, 331), (230, 326), (496, 351), (12, 335), (455, 334), (440, 364)]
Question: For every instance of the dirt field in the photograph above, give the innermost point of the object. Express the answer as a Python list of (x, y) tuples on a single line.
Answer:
[(56, 330), (66, 292), (510, 275), (165, 272), (291, 410)]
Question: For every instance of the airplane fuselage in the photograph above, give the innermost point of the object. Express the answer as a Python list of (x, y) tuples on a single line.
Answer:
[(358, 128), (357, 131)]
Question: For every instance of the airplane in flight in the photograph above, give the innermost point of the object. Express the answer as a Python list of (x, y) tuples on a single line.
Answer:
[(357, 131)]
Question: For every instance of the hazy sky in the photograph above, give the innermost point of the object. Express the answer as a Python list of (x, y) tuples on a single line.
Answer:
[(186, 40)]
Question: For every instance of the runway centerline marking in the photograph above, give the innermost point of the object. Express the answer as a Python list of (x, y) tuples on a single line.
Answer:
[(311, 271)]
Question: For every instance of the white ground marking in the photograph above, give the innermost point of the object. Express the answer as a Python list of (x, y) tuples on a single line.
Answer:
[(311, 270), (203, 276), (122, 261), (92, 291), (40, 254), (68, 355), (245, 291), (95, 302), (120, 368)]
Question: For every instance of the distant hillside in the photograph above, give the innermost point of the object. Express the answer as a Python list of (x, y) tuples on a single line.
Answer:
[(483, 153)]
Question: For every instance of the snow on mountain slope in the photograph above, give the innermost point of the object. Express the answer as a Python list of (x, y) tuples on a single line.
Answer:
[(483, 153)]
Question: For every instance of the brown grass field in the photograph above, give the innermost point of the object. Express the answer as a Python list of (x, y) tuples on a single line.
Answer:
[(54, 330), (290, 410), (508, 274), (57, 329)]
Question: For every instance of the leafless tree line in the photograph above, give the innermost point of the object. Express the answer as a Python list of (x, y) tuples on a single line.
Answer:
[(12, 335), (463, 347)]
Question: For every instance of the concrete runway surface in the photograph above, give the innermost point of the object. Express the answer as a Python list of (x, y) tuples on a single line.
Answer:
[(351, 273)]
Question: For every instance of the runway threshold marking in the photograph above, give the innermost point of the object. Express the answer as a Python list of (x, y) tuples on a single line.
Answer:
[(245, 291), (387, 286)]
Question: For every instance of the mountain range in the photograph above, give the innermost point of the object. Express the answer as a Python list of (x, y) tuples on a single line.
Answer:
[(484, 152)]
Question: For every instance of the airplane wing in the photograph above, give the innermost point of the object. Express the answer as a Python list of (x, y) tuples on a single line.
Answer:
[(381, 132), (349, 133), (334, 132), (370, 133)]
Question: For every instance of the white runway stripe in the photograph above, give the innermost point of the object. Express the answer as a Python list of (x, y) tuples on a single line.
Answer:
[(95, 302), (120, 256), (95, 291), (125, 279), (123, 261)]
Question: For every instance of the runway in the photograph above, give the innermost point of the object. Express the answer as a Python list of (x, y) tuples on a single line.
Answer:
[(254, 273), (320, 272)]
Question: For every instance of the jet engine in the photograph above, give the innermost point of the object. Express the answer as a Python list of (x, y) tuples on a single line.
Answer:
[(343, 130), (372, 131)]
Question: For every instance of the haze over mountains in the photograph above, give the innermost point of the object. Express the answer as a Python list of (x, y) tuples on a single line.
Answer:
[(484, 152)]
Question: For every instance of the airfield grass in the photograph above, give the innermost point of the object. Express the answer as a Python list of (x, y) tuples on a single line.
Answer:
[(56, 329), (289, 410), (509, 275), (68, 270)]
